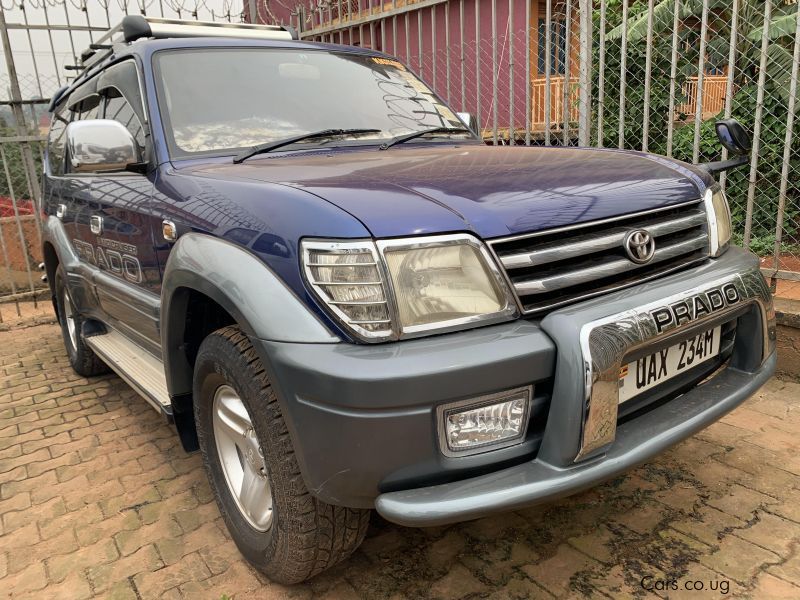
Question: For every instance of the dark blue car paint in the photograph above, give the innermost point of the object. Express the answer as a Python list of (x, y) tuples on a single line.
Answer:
[(492, 192)]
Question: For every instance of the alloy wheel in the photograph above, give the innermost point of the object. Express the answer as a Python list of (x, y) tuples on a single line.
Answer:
[(242, 458)]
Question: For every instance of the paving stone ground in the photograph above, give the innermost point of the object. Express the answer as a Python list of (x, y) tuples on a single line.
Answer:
[(97, 499)]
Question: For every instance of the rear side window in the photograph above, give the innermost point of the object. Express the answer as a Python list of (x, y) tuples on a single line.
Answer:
[(55, 142), (87, 109)]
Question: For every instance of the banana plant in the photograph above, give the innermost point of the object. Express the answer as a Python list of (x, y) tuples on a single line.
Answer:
[(750, 27)]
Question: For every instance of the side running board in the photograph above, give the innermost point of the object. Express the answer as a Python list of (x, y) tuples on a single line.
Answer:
[(140, 369)]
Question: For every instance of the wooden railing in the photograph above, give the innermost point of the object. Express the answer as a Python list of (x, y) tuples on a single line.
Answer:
[(538, 92), (714, 87)]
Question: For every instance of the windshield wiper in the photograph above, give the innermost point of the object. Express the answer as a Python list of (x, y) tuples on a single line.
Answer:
[(415, 134), (270, 146)]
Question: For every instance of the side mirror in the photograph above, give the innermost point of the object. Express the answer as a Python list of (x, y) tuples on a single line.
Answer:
[(100, 145), (470, 121), (733, 137), (736, 140)]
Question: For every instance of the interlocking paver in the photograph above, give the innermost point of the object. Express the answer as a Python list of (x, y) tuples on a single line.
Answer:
[(98, 499)]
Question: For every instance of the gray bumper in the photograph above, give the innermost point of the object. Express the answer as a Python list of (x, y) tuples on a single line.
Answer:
[(537, 481), (363, 418)]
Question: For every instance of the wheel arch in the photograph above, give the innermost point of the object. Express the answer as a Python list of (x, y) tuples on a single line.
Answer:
[(209, 283), (51, 262)]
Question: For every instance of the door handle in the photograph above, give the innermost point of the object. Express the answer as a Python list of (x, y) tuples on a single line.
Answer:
[(96, 224)]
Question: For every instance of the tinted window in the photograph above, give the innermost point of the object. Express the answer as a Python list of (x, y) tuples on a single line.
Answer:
[(87, 109), (56, 140), (119, 109)]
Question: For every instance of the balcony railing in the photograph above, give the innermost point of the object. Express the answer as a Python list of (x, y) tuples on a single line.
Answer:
[(714, 87), (538, 111)]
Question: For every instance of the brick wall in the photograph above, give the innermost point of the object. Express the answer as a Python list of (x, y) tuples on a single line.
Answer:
[(17, 252)]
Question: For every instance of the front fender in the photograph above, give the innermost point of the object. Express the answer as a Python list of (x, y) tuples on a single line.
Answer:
[(262, 305)]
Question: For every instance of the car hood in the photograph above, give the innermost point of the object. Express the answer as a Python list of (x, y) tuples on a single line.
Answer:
[(492, 191)]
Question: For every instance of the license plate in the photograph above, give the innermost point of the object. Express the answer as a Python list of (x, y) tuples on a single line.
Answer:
[(651, 370)]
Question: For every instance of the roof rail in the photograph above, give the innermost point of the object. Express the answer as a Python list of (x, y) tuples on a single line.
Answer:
[(134, 27)]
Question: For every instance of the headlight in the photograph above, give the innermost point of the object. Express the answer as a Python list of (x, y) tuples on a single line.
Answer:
[(405, 288), (719, 220)]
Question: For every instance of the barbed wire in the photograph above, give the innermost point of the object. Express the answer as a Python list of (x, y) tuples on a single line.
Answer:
[(143, 6)]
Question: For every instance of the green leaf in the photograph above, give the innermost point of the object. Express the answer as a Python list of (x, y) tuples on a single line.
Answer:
[(779, 27), (637, 26), (779, 69)]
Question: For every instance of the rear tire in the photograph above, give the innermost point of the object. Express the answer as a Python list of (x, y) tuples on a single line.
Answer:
[(287, 533), (82, 359)]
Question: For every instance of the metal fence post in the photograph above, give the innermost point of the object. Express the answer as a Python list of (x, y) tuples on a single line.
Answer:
[(494, 72), (723, 178), (585, 73), (648, 66), (701, 70), (762, 78), (528, 107), (510, 45), (623, 65), (16, 107), (787, 146), (673, 74), (601, 75), (548, 50), (565, 96)]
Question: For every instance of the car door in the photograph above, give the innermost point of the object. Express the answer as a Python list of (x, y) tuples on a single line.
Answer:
[(68, 195), (127, 280)]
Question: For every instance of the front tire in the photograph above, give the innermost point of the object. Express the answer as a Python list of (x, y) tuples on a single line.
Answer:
[(278, 526), (82, 359)]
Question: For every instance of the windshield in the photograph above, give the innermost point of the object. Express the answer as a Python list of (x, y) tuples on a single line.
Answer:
[(223, 99)]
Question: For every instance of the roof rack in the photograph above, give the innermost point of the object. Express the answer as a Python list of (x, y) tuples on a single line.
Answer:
[(135, 27)]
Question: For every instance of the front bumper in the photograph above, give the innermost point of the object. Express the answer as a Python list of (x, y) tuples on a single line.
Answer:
[(363, 419), (539, 481)]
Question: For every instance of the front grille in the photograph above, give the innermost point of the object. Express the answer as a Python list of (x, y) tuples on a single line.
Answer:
[(556, 267)]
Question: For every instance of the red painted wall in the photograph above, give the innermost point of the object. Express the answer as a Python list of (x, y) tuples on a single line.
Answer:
[(477, 95)]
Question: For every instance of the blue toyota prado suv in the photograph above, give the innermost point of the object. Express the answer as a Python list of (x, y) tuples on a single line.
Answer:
[(315, 268)]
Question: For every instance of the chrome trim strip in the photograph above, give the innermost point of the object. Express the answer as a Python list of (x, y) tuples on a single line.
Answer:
[(347, 283), (605, 343), (356, 247), (523, 236), (339, 266), (607, 240), (593, 273), (539, 308), (357, 302)]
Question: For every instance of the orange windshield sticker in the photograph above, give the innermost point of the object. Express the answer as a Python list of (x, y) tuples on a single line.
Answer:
[(388, 62)]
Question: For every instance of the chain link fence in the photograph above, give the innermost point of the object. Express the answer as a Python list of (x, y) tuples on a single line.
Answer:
[(651, 75), (42, 40)]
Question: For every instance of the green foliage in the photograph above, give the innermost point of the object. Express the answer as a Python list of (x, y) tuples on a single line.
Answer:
[(15, 177), (775, 103)]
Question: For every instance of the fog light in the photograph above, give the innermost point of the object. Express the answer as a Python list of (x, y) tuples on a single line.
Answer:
[(485, 423)]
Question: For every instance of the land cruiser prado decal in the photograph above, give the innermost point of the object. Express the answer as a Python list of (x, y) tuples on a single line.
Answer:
[(118, 258)]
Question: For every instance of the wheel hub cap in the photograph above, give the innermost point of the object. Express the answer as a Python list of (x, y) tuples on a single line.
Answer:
[(69, 315), (242, 458)]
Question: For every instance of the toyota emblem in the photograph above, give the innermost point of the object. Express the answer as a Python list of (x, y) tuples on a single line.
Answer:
[(640, 246)]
